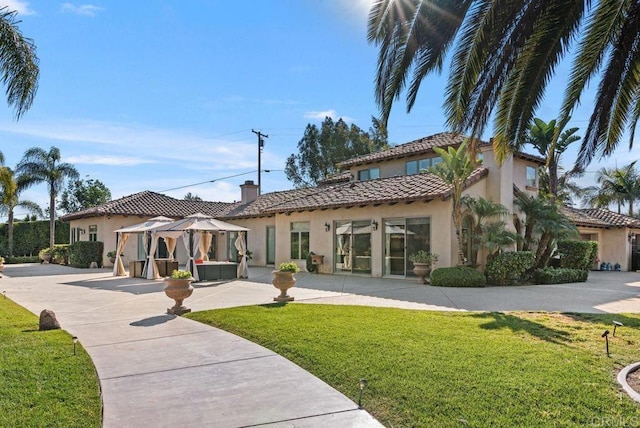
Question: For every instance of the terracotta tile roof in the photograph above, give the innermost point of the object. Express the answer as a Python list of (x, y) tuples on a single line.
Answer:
[(581, 218), (418, 187), (339, 177), (612, 218), (150, 204)]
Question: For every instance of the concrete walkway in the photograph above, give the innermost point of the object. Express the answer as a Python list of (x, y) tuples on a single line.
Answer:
[(160, 370)]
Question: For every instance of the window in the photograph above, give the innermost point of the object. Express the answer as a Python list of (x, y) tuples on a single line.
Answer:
[(368, 174), (93, 232), (417, 166), (532, 177), (299, 240)]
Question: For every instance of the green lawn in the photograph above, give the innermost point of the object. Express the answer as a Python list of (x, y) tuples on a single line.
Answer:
[(438, 369), (42, 384)]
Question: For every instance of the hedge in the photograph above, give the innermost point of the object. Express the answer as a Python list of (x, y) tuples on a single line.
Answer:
[(83, 253), (577, 254), (21, 259), (559, 275), (29, 237), (505, 268), (457, 277)]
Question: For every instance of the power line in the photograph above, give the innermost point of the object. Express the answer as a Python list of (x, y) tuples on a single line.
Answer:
[(216, 179)]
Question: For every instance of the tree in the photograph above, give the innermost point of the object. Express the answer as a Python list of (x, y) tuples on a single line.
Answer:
[(10, 199), (491, 235), (616, 185), (551, 142), (192, 197), (456, 167), (18, 63), (40, 166), (82, 194), (504, 53), (320, 150)]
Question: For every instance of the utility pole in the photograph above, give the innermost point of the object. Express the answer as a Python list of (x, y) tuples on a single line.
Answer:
[(260, 147)]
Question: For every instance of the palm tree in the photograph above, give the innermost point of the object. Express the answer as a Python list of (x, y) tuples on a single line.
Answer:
[(616, 185), (10, 199), (18, 63), (482, 211), (551, 142), (504, 53), (40, 166), (456, 167)]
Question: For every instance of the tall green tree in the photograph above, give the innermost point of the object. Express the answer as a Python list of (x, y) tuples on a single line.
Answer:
[(321, 150), (18, 64), (455, 169), (489, 229), (504, 53), (39, 166), (551, 141), (10, 188), (82, 194), (619, 186)]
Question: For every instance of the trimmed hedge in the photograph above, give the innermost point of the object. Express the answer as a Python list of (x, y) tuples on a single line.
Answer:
[(559, 275), (29, 237), (457, 277), (83, 253), (510, 266), (22, 259), (577, 254)]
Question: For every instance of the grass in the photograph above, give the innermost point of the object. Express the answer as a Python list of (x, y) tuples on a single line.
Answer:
[(42, 384), (447, 369)]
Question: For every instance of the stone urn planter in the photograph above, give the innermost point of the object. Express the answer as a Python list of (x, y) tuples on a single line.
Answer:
[(178, 289), (283, 280), (422, 271), (1, 264), (46, 258)]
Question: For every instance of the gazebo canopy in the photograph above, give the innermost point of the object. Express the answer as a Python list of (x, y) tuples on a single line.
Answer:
[(150, 224), (198, 222)]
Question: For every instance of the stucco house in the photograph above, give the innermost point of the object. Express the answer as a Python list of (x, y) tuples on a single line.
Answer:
[(367, 220)]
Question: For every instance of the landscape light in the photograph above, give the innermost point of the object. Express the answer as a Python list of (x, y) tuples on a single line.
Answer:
[(363, 385), (606, 339), (75, 341), (615, 325)]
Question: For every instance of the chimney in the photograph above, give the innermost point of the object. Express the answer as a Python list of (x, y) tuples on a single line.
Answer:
[(249, 191)]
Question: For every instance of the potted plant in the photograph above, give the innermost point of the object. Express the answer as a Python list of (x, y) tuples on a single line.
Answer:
[(283, 280), (423, 261), (178, 287), (112, 256)]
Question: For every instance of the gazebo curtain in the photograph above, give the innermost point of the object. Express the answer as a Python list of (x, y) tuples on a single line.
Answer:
[(118, 266), (152, 268), (241, 246), (191, 249), (205, 243), (171, 245)]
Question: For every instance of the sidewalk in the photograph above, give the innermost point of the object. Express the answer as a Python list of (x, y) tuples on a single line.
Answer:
[(164, 371)]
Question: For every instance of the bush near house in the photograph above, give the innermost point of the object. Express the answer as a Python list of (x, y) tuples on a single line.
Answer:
[(508, 267), (577, 254), (83, 253), (457, 277), (22, 259), (59, 255), (559, 275)]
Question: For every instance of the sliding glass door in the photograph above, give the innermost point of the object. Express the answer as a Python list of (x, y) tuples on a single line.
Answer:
[(353, 246), (403, 237)]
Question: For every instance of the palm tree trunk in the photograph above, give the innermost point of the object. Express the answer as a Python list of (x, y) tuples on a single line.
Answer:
[(10, 233), (542, 247), (52, 220)]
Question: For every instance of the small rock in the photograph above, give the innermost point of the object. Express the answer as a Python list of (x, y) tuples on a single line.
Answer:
[(48, 320)]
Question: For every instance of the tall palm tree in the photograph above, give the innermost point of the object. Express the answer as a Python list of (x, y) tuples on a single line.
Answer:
[(504, 53), (10, 188), (18, 63), (618, 186), (40, 166), (551, 142), (456, 167)]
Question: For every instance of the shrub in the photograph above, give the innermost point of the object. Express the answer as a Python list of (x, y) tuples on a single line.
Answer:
[(510, 266), (423, 256), (60, 254), (289, 267), (82, 253), (181, 274), (457, 277), (577, 254), (22, 259), (559, 275)]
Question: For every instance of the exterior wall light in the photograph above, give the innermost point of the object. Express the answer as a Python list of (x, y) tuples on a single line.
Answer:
[(374, 225), (327, 227)]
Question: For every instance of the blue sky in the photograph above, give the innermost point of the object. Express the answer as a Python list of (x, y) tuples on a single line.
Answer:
[(156, 95)]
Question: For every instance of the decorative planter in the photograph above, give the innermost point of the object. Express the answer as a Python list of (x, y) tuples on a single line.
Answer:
[(317, 259), (112, 260), (178, 290), (46, 258), (283, 281), (422, 270)]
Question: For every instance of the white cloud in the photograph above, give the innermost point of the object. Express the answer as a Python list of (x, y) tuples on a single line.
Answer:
[(20, 6), (107, 160), (83, 9), (320, 115)]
